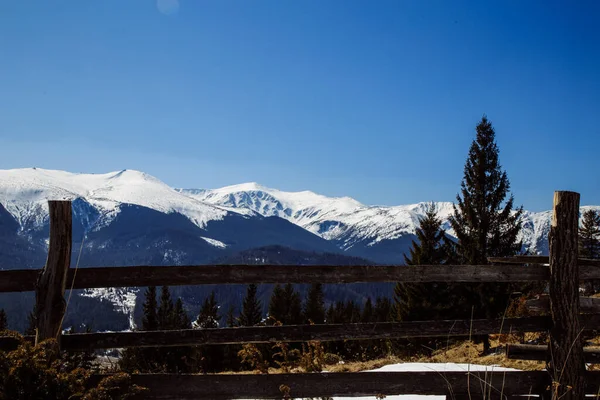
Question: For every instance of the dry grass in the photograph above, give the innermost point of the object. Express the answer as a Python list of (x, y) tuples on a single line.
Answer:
[(364, 365), (469, 352)]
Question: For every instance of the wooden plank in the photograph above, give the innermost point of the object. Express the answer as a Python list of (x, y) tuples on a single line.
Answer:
[(50, 287), (567, 364), (18, 280), (587, 305), (99, 277), (316, 385), (302, 333), (540, 353), (587, 262), (519, 260)]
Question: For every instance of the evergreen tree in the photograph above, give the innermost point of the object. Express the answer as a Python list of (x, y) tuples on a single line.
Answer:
[(431, 248), (150, 318), (589, 243), (277, 308), (589, 235), (209, 313), (211, 359), (292, 298), (180, 317), (165, 310), (251, 308), (425, 301), (484, 221), (231, 320), (314, 310), (285, 305), (368, 313), (3, 320), (383, 309)]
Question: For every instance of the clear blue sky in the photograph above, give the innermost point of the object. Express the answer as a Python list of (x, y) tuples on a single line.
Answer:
[(377, 100)]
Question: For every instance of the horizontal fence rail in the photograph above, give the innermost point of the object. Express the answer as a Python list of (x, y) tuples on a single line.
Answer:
[(540, 353), (582, 262), (99, 277), (587, 305), (486, 385), (303, 333)]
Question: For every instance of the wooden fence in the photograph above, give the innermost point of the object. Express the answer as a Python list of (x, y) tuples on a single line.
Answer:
[(565, 378)]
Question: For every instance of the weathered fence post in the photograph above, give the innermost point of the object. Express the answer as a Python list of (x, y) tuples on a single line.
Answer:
[(566, 349), (50, 303)]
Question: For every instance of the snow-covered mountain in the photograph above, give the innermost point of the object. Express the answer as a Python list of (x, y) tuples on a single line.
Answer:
[(131, 218), (375, 232)]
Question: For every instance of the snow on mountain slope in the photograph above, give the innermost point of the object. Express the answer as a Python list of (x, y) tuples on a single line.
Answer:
[(333, 218), (24, 193), (349, 222)]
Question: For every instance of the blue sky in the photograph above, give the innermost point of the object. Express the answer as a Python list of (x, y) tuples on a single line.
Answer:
[(377, 100)]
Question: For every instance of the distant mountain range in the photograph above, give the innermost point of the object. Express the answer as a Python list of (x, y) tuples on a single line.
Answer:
[(131, 218)]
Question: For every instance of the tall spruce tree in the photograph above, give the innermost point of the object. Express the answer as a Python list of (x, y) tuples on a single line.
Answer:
[(589, 235), (251, 308), (485, 221), (314, 310), (150, 318)]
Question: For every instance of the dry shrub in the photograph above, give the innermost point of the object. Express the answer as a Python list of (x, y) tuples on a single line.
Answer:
[(251, 355), (42, 372), (312, 358)]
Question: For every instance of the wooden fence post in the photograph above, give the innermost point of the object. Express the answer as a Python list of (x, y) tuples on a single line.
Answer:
[(50, 303), (567, 366)]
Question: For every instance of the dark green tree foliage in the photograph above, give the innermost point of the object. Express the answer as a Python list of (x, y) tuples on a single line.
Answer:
[(211, 357), (230, 351), (314, 310), (383, 309), (181, 319), (589, 243), (431, 248), (485, 222), (251, 308), (165, 310), (150, 318), (231, 320), (426, 301), (368, 313), (209, 313), (165, 316), (3, 320), (589, 235), (285, 305)]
